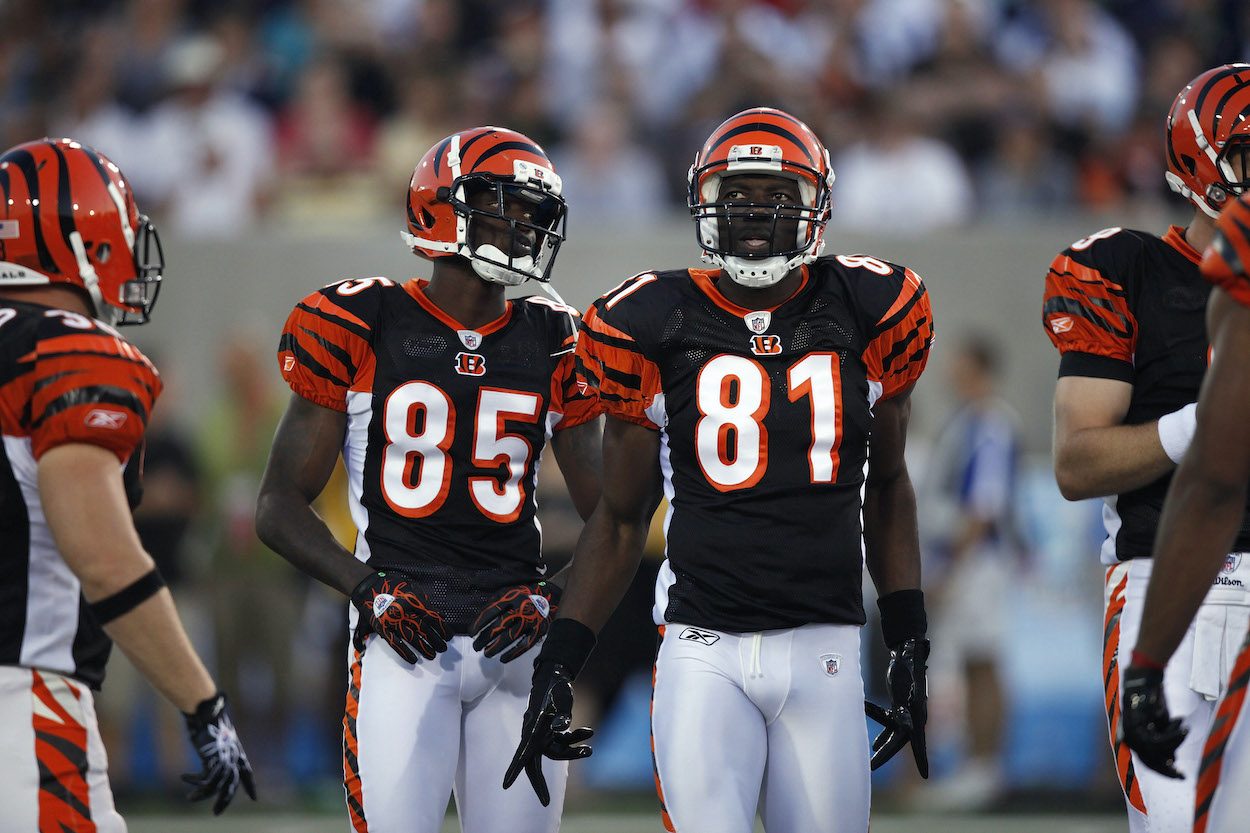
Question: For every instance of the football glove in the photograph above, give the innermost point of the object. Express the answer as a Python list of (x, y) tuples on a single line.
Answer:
[(545, 729), (1145, 724), (224, 764), (392, 606), (904, 721), (516, 621)]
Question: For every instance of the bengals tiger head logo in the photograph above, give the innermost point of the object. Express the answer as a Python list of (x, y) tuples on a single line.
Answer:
[(470, 364)]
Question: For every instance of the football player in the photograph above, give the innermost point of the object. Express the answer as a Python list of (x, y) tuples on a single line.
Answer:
[(1200, 523), (440, 396), (76, 257), (1125, 309), (756, 394)]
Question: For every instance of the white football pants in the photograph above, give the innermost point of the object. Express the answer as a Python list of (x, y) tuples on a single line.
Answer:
[(414, 733), (774, 719), (53, 774), (1194, 679)]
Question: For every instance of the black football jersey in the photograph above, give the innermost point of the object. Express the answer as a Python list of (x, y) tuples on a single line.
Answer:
[(445, 428), (1127, 305), (64, 378), (764, 418)]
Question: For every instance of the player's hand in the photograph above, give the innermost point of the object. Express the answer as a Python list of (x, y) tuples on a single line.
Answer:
[(392, 606), (516, 621), (545, 730), (904, 721), (224, 764), (1145, 724)]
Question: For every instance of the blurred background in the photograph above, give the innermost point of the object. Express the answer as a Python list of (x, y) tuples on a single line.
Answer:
[(272, 141)]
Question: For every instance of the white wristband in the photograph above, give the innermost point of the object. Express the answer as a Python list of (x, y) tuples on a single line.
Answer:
[(1176, 430)]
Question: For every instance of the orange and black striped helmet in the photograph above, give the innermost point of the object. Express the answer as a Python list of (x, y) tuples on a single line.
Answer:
[(495, 159), (767, 141), (1208, 130), (69, 217)]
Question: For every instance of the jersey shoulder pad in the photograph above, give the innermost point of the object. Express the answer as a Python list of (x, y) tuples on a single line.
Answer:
[(875, 284), (558, 321), (1087, 305), (643, 302), (87, 384), (1225, 261), (326, 345)]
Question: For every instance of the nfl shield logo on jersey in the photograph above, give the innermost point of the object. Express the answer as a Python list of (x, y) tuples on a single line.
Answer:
[(831, 662), (757, 322), (1231, 562), (470, 339)]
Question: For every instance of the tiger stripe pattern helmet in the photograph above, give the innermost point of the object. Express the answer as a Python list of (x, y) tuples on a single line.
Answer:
[(1207, 131), (439, 214), (69, 217), (767, 141)]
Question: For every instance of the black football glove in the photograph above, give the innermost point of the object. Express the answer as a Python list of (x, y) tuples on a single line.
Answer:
[(909, 694), (224, 763), (545, 730), (516, 621), (1145, 724), (392, 606)]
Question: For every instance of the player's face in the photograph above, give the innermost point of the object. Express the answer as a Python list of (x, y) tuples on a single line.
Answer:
[(762, 215), (493, 231)]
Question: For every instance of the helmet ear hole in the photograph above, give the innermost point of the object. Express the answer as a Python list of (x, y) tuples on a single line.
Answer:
[(102, 253)]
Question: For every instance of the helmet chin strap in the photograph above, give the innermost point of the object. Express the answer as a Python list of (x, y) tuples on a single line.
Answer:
[(104, 312), (490, 264), (756, 273)]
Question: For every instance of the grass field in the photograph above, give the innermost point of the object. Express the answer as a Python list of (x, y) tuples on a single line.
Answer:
[(637, 823)]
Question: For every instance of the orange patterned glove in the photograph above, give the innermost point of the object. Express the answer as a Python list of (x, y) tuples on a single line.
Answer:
[(392, 606), (516, 621)]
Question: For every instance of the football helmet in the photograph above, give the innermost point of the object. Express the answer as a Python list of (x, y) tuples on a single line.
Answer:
[(496, 161), (1208, 130), (761, 141), (70, 218)]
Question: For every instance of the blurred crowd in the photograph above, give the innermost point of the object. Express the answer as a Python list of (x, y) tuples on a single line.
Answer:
[(312, 113)]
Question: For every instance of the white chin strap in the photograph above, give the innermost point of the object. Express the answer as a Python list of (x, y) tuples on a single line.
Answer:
[(755, 273), (491, 264)]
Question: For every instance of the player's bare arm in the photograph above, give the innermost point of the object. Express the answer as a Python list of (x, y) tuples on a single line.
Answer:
[(891, 543), (85, 504), (611, 544), (1095, 453), (579, 451), (305, 449), (1207, 499)]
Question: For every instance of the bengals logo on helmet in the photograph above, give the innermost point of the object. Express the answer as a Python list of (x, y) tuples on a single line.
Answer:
[(69, 217), (470, 364)]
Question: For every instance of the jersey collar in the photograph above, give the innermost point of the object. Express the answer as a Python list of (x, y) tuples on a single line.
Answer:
[(1176, 239), (416, 288), (706, 279)]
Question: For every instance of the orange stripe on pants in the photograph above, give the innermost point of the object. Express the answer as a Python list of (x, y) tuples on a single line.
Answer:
[(61, 751), (1217, 740), (1111, 687)]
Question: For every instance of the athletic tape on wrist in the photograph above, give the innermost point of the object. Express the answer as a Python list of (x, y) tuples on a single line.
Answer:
[(568, 643), (1176, 431), (128, 598), (902, 616)]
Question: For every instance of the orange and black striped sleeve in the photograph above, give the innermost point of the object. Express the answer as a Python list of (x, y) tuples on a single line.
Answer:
[(611, 361), (1087, 317), (1225, 261), (572, 396), (85, 387), (899, 349), (326, 347)]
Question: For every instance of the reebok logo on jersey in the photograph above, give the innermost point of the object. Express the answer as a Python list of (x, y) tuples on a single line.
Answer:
[(380, 603), (832, 663), (701, 636), (99, 418), (287, 364), (766, 345), (541, 604), (1061, 323), (470, 364), (757, 322)]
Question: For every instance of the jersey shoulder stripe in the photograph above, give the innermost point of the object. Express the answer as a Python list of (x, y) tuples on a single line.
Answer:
[(611, 359), (559, 322), (899, 349), (326, 346), (1086, 305), (81, 382)]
